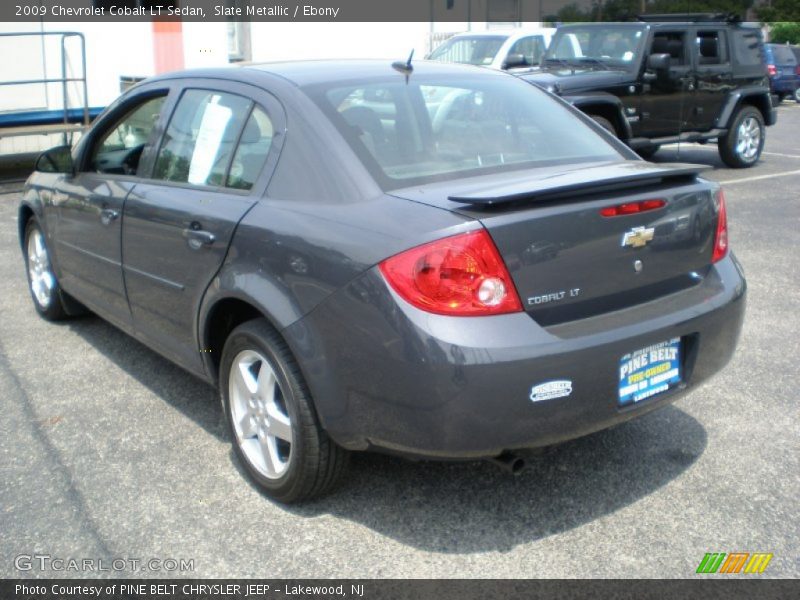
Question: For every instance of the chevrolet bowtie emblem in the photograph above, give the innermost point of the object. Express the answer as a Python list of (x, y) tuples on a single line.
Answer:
[(638, 237)]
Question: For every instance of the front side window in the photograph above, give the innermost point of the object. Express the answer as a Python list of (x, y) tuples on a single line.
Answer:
[(670, 42), (118, 150), (429, 130), (201, 138), (531, 47)]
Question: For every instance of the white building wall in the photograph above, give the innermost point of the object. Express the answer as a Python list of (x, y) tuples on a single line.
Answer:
[(303, 41)]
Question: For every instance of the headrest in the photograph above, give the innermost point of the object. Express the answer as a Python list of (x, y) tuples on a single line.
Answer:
[(708, 47)]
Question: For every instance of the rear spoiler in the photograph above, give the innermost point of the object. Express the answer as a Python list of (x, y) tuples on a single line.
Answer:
[(592, 179)]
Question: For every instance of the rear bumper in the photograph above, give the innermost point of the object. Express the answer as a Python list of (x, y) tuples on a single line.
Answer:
[(785, 85), (384, 374)]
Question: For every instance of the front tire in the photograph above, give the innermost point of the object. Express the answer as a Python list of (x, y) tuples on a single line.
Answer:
[(648, 152), (273, 426), (605, 124), (741, 146), (42, 282)]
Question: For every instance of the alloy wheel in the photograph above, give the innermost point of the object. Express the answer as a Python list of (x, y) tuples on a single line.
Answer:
[(41, 277), (748, 138), (259, 414)]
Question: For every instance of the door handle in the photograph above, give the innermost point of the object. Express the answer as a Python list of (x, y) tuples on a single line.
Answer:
[(108, 215), (198, 238)]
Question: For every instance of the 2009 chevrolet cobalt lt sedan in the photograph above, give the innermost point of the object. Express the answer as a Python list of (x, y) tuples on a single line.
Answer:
[(433, 260)]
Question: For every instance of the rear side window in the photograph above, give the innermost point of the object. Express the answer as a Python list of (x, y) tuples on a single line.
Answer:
[(201, 138), (479, 50), (250, 155), (747, 47), (711, 48)]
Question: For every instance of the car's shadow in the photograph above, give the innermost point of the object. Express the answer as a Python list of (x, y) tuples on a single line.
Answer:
[(457, 507), (691, 153), (179, 389)]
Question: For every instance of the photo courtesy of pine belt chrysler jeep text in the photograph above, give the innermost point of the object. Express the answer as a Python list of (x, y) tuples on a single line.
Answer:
[(434, 260)]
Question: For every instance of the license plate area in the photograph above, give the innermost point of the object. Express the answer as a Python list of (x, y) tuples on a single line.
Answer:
[(650, 371)]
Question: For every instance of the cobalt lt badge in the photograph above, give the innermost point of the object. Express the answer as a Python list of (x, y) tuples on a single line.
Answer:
[(638, 237)]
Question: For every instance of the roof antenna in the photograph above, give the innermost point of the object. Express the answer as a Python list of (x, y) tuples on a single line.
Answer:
[(404, 67)]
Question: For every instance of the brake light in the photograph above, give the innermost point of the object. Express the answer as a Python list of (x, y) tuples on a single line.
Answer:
[(462, 275), (631, 208), (721, 236), (797, 70), (772, 70)]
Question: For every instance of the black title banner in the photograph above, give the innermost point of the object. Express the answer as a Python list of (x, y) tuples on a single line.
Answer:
[(393, 589), (500, 11)]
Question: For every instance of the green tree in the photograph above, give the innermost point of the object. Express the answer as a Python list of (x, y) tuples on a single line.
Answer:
[(780, 10), (785, 32), (624, 10)]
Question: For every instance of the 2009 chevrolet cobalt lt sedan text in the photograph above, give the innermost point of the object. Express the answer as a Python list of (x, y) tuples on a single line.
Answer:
[(434, 260)]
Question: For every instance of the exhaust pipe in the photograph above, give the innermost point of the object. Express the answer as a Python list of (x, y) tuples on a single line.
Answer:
[(509, 462)]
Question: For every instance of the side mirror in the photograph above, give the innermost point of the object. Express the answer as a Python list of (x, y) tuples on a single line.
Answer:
[(514, 61), (56, 160), (658, 62)]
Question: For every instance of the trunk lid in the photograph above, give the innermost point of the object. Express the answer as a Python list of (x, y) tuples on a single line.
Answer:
[(567, 260)]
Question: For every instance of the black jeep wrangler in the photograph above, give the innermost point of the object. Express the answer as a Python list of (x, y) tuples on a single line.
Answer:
[(665, 79)]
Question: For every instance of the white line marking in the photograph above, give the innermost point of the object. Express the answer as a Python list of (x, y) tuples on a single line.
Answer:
[(779, 154), (759, 177)]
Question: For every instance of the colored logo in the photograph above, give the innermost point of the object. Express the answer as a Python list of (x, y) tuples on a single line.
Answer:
[(638, 237), (735, 562)]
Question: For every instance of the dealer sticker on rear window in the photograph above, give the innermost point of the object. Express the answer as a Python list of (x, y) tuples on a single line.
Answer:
[(649, 371)]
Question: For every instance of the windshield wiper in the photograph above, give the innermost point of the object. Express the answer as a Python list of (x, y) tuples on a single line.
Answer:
[(560, 61), (594, 61)]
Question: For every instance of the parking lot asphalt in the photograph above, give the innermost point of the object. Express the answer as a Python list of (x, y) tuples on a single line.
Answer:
[(108, 451)]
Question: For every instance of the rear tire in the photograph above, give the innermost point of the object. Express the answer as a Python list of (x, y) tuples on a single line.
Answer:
[(797, 95), (46, 293), (741, 146), (274, 428)]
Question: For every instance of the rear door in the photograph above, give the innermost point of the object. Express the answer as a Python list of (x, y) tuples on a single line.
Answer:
[(89, 205), (714, 77), (213, 163)]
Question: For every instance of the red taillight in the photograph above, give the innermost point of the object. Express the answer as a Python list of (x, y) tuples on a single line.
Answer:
[(462, 275), (721, 236), (797, 70), (772, 70), (631, 208)]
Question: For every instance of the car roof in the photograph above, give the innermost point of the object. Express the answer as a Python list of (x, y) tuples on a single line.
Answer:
[(505, 32), (311, 72)]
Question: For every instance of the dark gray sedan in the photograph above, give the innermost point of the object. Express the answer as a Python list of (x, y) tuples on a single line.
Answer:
[(432, 260)]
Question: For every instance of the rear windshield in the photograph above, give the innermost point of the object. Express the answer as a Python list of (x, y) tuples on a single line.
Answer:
[(783, 55), (430, 130)]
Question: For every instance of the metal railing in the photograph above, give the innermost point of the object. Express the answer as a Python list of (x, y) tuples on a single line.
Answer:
[(64, 80)]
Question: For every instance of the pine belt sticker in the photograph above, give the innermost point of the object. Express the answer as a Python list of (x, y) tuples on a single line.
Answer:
[(559, 388)]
